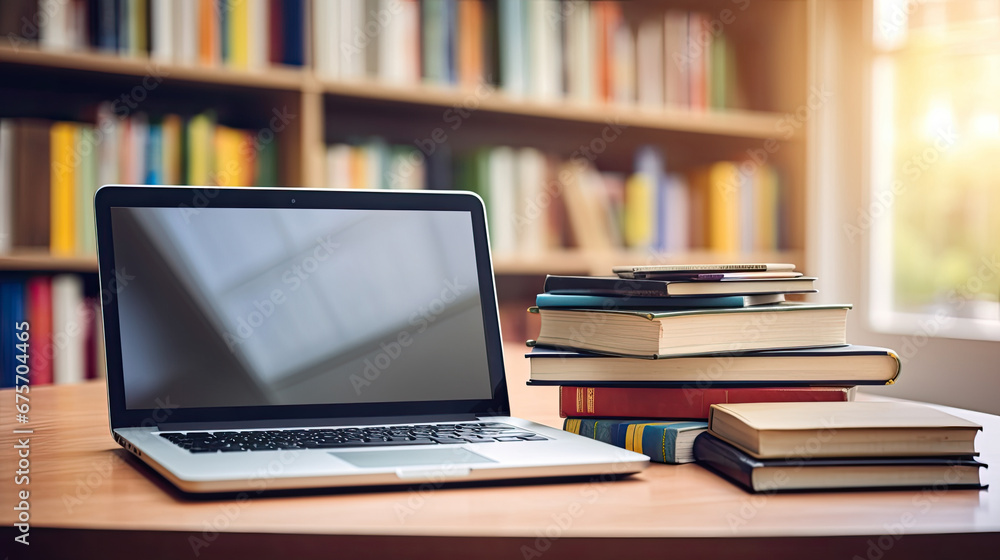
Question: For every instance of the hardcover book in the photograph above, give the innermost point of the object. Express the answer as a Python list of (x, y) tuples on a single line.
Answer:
[(689, 403), (844, 429), (663, 441), (615, 286), (652, 334), (798, 474), (837, 366), (628, 302)]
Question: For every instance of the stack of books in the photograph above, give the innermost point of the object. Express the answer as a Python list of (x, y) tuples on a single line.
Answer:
[(641, 357), (774, 447)]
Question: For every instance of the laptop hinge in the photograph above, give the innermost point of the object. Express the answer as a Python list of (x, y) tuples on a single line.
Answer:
[(309, 422)]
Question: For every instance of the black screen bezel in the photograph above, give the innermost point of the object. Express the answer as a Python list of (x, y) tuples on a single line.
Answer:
[(197, 198)]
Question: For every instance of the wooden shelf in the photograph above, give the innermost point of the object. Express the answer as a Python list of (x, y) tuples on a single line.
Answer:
[(279, 78), (731, 123), (41, 261), (568, 262), (744, 124), (574, 262)]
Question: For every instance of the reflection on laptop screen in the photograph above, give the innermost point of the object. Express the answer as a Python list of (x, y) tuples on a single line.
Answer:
[(259, 306)]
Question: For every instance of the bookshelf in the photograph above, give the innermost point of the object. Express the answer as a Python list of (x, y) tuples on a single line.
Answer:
[(773, 46)]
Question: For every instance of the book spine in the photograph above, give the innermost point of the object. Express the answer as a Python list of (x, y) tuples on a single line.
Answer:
[(719, 457), (12, 313), (63, 180), (40, 317), (658, 440), (692, 403), (67, 304), (6, 185)]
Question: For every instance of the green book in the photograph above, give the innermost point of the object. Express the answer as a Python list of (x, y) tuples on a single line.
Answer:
[(86, 143), (435, 41), (267, 164), (718, 86), (656, 333), (664, 441)]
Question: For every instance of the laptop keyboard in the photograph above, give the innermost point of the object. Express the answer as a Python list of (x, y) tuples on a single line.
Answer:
[(332, 438)]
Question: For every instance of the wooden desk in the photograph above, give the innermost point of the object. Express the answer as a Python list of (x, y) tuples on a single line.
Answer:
[(90, 499)]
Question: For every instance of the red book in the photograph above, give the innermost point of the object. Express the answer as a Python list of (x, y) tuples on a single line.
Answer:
[(40, 319), (275, 35), (640, 402), (699, 45), (90, 338)]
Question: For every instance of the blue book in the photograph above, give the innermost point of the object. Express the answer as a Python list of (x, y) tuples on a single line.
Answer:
[(223, 10), (512, 46), (12, 312), (664, 441), (154, 155), (650, 162), (293, 20), (651, 302), (451, 44)]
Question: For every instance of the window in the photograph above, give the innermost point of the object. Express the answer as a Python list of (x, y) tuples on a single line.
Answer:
[(934, 214)]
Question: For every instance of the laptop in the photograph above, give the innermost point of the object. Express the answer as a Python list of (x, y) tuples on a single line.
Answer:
[(271, 339)]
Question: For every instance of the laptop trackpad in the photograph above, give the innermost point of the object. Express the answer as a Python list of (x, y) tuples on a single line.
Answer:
[(382, 458)]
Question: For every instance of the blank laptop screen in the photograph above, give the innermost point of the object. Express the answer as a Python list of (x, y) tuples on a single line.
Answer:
[(283, 306)]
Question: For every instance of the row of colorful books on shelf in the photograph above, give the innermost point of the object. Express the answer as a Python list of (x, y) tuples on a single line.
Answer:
[(50, 170), (544, 49), (240, 34), (727, 206), (708, 363), (537, 201), (64, 341)]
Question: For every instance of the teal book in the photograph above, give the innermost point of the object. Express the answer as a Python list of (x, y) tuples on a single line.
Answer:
[(651, 302), (664, 441)]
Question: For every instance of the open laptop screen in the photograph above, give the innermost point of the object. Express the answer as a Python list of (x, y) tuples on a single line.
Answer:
[(287, 306)]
